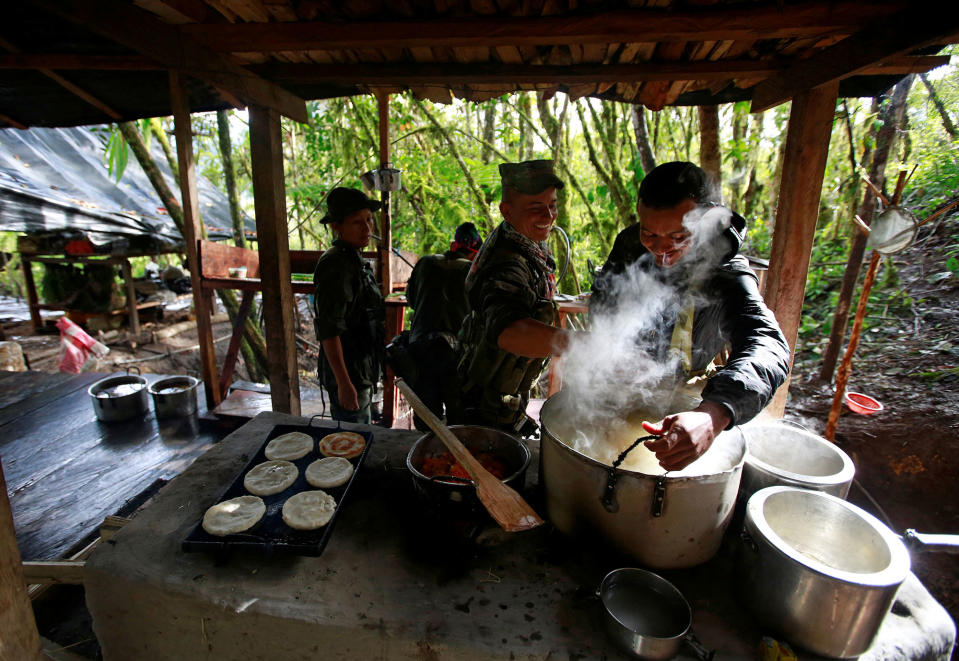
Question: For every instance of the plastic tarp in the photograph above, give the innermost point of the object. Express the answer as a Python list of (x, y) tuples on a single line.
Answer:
[(55, 180)]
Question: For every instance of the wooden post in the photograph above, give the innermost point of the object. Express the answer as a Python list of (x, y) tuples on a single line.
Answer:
[(269, 193), (386, 246), (127, 274), (192, 232), (33, 301), (804, 163), (19, 638)]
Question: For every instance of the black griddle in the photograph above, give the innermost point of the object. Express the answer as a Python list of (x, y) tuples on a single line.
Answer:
[(271, 534)]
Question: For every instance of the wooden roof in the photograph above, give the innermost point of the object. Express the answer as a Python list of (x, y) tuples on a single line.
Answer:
[(70, 62)]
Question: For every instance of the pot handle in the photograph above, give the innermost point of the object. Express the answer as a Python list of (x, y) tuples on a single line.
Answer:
[(608, 499), (699, 650), (134, 367), (920, 541)]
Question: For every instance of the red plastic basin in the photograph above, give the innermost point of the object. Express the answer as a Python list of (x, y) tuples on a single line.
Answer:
[(862, 404)]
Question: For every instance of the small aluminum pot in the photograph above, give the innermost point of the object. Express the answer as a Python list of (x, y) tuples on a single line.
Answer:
[(119, 397), (175, 396), (644, 614), (460, 493), (818, 570), (778, 454)]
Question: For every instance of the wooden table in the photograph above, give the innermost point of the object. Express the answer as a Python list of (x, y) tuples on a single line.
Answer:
[(398, 582), (65, 470)]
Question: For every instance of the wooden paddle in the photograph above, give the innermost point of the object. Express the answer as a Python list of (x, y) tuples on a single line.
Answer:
[(506, 506)]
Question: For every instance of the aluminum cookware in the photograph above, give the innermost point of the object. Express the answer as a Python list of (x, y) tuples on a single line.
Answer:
[(778, 453), (119, 397), (818, 570), (659, 519), (644, 614), (457, 492), (384, 179), (174, 396)]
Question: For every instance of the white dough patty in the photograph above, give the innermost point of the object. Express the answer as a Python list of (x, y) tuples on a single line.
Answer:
[(270, 477), (345, 444), (234, 515), (308, 510), (329, 472), (289, 446)]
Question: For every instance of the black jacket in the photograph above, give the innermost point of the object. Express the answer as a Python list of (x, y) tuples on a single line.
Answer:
[(729, 310)]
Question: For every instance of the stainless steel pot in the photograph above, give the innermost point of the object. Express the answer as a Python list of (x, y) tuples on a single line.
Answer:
[(458, 491), (778, 453), (174, 396), (119, 397), (663, 521), (819, 570), (644, 614)]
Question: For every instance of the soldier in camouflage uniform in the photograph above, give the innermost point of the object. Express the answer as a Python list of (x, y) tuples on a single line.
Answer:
[(436, 292), (510, 331), (349, 308)]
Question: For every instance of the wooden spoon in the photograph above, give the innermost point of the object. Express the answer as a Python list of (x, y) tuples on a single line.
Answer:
[(506, 506)]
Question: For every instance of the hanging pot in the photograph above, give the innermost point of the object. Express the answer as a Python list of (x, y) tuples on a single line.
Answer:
[(893, 230), (659, 519)]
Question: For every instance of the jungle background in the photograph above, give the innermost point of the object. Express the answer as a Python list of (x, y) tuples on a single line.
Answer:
[(908, 358)]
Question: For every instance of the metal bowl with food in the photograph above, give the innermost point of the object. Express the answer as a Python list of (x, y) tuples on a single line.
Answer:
[(174, 396), (438, 478), (119, 397)]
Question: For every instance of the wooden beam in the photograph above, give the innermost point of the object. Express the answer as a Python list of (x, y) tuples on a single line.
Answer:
[(76, 90), (880, 39), (192, 233), (20, 639), (141, 32), (73, 61), (811, 19), (269, 192), (804, 163), (13, 123), (67, 572)]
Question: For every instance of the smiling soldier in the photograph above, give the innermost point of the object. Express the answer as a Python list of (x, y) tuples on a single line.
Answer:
[(510, 331)]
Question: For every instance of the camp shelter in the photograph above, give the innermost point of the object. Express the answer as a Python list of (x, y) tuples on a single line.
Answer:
[(76, 62), (56, 189)]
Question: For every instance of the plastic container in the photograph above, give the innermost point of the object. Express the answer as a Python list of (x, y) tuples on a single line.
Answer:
[(862, 404)]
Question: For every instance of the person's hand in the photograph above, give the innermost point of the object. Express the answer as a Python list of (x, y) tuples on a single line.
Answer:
[(346, 393), (687, 435)]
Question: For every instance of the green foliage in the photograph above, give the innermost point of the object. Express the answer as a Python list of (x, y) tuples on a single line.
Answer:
[(91, 287)]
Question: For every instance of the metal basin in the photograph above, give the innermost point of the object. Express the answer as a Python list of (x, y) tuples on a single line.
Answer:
[(818, 570), (644, 614), (174, 396), (784, 455), (119, 397)]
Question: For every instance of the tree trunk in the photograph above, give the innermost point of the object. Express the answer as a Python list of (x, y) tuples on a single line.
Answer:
[(709, 156), (251, 335), (489, 124), (738, 174), (940, 108), (641, 131), (229, 175), (455, 152), (892, 116), (615, 188), (754, 188), (526, 142)]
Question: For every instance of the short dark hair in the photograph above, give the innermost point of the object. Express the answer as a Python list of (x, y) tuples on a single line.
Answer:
[(671, 183)]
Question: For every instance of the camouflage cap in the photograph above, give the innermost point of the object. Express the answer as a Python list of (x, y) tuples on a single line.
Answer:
[(529, 177), (341, 202)]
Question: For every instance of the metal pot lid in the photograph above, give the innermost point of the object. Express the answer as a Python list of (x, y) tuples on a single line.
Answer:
[(892, 231)]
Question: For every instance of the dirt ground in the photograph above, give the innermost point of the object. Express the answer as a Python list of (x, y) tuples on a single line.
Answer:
[(906, 456)]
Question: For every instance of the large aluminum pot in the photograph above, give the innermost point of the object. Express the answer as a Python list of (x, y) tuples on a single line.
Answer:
[(779, 454), (663, 521), (818, 570), (119, 397), (175, 396)]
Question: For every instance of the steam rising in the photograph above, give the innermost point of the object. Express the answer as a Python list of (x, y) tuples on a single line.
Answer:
[(621, 372)]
